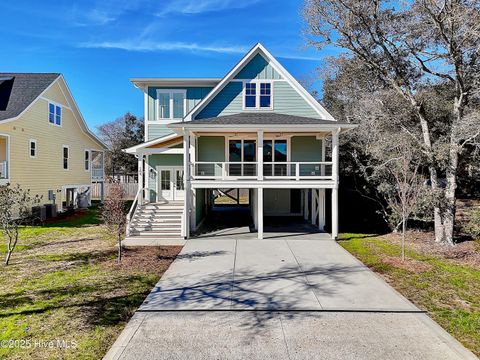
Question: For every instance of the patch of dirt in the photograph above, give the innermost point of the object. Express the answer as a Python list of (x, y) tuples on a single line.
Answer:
[(151, 259), (465, 253), (408, 264)]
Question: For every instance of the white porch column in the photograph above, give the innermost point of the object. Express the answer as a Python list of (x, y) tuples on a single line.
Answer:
[(321, 209), (187, 184), (335, 157), (260, 154), (315, 205), (193, 192), (140, 178), (305, 204), (260, 212)]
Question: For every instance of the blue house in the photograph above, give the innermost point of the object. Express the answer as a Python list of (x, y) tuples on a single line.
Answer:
[(255, 132)]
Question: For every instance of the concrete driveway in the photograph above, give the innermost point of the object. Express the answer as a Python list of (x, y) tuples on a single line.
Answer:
[(301, 297)]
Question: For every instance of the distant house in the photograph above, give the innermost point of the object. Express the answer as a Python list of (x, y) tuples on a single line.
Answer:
[(45, 144), (256, 129)]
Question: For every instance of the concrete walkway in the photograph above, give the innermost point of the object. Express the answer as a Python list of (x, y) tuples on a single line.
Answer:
[(283, 298)]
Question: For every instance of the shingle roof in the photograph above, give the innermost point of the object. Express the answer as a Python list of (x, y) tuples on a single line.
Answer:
[(18, 90), (259, 119)]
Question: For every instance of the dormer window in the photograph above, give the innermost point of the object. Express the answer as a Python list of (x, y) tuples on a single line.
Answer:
[(171, 103), (54, 114), (258, 95)]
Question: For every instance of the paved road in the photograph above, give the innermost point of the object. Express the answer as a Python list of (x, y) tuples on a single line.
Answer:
[(235, 298)]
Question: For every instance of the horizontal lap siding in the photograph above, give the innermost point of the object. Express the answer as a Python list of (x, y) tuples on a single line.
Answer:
[(211, 148), (45, 172), (286, 100), (157, 130)]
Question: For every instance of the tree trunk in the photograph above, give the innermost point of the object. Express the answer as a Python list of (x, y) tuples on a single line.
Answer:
[(7, 259), (404, 229), (439, 226), (119, 247)]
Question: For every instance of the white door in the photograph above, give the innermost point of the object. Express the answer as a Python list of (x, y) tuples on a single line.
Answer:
[(179, 187), (171, 185), (165, 189)]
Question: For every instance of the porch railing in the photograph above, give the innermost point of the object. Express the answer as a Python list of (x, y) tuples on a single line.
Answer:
[(3, 170), (302, 170), (97, 173)]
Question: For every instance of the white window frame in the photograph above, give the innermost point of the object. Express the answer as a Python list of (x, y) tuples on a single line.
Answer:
[(55, 105), (257, 83), (170, 92), (68, 157), (30, 142), (89, 159)]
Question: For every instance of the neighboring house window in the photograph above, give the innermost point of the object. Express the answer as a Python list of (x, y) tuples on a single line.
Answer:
[(87, 160), (32, 148), (258, 95), (54, 114), (170, 104), (66, 154)]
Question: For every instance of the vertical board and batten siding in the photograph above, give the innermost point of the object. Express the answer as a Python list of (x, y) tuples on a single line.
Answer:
[(155, 130), (286, 100), (258, 68), (45, 172)]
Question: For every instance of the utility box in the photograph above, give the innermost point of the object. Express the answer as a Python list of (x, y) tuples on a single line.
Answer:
[(39, 213), (51, 210)]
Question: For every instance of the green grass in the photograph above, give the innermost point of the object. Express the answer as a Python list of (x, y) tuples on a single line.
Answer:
[(448, 290), (63, 283)]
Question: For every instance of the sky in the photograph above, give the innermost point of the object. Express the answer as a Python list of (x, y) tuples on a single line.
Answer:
[(99, 44)]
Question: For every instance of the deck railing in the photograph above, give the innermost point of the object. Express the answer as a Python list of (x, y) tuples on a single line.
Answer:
[(3, 170), (303, 170), (97, 173)]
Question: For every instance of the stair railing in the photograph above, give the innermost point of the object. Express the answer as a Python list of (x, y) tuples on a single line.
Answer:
[(139, 198)]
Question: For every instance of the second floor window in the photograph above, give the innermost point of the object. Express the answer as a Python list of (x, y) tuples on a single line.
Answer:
[(33, 148), (87, 160), (54, 114), (170, 104), (258, 95), (65, 157)]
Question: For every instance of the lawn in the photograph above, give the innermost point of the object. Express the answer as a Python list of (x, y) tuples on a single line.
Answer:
[(64, 284), (443, 281)]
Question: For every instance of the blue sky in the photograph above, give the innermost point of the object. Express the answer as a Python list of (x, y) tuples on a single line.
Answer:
[(99, 44)]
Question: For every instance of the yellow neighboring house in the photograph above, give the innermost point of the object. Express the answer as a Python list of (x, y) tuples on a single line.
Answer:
[(45, 143)]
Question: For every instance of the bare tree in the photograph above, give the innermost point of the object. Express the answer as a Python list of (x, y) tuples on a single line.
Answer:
[(15, 210), (408, 47), (408, 189), (114, 215)]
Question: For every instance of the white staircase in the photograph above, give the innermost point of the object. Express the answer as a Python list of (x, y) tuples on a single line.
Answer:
[(156, 221)]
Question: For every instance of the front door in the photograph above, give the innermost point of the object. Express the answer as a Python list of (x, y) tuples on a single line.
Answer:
[(170, 184)]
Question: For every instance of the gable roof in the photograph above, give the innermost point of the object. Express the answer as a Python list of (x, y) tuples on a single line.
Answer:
[(260, 49), (19, 90)]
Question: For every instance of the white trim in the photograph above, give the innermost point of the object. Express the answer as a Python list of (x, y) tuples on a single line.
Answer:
[(257, 83), (63, 157), (89, 159), (7, 153), (134, 149), (259, 48), (55, 102), (145, 114), (30, 141), (55, 105), (266, 184), (170, 105)]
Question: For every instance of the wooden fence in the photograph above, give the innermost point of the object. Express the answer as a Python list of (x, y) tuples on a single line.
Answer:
[(129, 188)]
